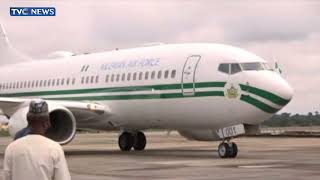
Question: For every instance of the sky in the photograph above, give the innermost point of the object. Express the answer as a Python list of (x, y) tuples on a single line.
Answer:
[(286, 31)]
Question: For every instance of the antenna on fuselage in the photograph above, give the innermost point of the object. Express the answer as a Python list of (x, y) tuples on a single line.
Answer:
[(276, 66)]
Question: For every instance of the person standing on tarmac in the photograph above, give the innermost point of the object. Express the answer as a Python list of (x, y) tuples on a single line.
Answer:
[(34, 156)]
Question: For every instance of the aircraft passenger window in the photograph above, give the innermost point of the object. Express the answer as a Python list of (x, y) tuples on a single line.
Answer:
[(166, 74), (92, 79), (53, 82), (146, 75), (82, 80), (40, 84), (62, 81), (87, 79), (13, 85), (112, 77), (97, 79), (73, 81), (140, 75), (129, 77), (118, 77), (21, 85), (123, 77), (107, 78), (134, 76), (235, 68), (159, 74), (153, 74), (49, 82), (44, 83), (224, 68), (68, 81), (58, 82), (173, 74)]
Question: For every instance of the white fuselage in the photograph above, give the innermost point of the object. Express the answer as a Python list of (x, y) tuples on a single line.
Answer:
[(193, 95)]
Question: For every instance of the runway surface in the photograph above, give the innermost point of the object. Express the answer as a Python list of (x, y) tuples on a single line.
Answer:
[(96, 157)]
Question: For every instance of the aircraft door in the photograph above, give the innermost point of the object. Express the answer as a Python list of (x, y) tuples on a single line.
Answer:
[(188, 75)]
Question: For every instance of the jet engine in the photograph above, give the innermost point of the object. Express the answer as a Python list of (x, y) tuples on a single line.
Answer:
[(63, 123)]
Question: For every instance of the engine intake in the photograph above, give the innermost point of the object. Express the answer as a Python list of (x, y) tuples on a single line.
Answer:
[(63, 126)]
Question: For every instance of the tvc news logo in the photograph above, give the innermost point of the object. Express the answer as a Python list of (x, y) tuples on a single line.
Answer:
[(32, 11)]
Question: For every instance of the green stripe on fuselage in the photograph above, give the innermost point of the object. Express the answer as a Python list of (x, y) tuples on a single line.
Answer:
[(264, 107), (265, 94), (140, 96), (116, 89)]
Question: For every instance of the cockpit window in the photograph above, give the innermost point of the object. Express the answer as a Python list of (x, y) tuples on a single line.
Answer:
[(235, 68), (229, 68), (267, 67), (253, 66), (224, 68)]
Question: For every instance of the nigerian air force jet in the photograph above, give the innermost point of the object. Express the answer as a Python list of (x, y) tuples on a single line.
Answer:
[(207, 92)]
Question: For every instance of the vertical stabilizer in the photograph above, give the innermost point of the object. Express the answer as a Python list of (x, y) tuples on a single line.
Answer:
[(8, 55)]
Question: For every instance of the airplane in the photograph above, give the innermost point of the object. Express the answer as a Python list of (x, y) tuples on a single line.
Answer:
[(205, 91)]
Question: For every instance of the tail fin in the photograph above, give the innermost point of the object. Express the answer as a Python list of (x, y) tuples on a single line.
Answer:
[(8, 55)]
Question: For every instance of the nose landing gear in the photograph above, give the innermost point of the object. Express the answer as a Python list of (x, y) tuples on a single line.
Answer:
[(228, 150), (128, 140)]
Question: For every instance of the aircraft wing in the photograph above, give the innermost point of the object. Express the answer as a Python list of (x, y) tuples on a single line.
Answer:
[(11, 105)]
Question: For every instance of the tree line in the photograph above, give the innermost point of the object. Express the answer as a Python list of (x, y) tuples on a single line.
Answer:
[(288, 119)]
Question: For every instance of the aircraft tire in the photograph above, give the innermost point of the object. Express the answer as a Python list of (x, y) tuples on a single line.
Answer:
[(140, 141), (233, 150), (224, 150), (126, 141)]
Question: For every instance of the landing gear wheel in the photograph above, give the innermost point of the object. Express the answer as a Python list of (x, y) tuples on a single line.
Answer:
[(140, 141), (223, 150), (126, 141), (234, 150)]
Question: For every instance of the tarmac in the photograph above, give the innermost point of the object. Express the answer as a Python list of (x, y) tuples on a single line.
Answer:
[(97, 157)]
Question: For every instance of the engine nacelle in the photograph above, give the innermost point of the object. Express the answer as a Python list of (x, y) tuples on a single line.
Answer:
[(63, 123), (200, 135)]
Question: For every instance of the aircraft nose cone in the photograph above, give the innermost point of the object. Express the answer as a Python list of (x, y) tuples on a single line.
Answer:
[(286, 91)]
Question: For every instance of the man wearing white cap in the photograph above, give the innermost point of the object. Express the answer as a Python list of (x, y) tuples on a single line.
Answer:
[(34, 156)]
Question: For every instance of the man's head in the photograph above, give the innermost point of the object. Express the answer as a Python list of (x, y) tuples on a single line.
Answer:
[(38, 117)]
